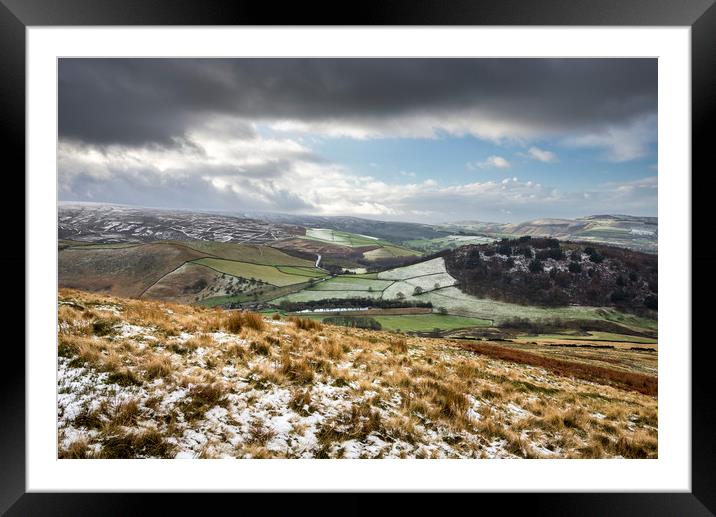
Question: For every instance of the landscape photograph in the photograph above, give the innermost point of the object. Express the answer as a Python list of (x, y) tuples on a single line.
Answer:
[(357, 258)]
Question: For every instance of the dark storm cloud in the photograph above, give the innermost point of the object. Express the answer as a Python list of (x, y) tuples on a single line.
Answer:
[(140, 102)]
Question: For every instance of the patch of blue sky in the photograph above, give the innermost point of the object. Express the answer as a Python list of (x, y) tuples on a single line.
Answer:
[(451, 160)]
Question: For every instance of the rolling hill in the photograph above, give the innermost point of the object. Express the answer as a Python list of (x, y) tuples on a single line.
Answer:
[(638, 233), (182, 272)]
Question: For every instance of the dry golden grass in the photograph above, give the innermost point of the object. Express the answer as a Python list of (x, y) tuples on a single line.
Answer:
[(301, 402), (78, 449), (297, 370), (427, 395), (331, 349), (305, 323), (136, 444), (238, 320), (158, 366)]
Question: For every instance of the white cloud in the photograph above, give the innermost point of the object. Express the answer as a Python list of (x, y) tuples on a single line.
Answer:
[(221, 171), (493, 161), (621, 143), (541, 155), (475, 122)]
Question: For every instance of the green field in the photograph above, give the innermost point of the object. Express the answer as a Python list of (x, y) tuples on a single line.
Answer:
[(247, 253), (313, 295), (429, 267), (351, 283), (267, 274), (629, 320), (457, 302), (353, 240), (428, 322), (341, 238), (311, 272), (389, 251), (367, 275)]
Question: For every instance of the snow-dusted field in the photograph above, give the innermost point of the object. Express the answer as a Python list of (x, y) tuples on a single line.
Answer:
[(429, 267)]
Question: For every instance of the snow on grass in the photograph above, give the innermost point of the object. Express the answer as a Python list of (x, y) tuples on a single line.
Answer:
[(113, 309), (429, 267), (127, 330), (517, 411), (226, 397), (473, 412)]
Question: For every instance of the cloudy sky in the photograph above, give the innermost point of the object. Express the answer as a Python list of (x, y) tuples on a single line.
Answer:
[(425, 140)]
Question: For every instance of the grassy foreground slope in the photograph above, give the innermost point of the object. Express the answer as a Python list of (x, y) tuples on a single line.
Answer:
[(141, 379)]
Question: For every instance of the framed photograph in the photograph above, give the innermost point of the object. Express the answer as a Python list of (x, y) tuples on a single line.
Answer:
[(417, 250)]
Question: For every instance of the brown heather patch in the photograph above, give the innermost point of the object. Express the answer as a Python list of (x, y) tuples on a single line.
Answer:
[(235, 322), (260, 348), (630, 380), (148, 443), (203, 397), (342, 378), (125, 414), (158, 366), (78, 449), (305, 323), (237, 352), (238, 320), (401, 428), (639, 445), (254, 321), (263, 375), (518, 445), (331, 349), (124, 377), (89, 419), (256, 452), (259, 434), (301, 402), (149, 314), (298, 370), (362, 421), (104, 326), (399, 346), (199, 341)]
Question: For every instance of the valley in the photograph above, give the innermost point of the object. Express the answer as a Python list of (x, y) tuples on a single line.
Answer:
[(336, 361)]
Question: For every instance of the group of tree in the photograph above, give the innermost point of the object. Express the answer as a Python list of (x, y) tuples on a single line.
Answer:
[(558, 274), (349, 303)]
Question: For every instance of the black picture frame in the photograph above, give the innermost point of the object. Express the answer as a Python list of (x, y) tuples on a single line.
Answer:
[(700, 15)]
